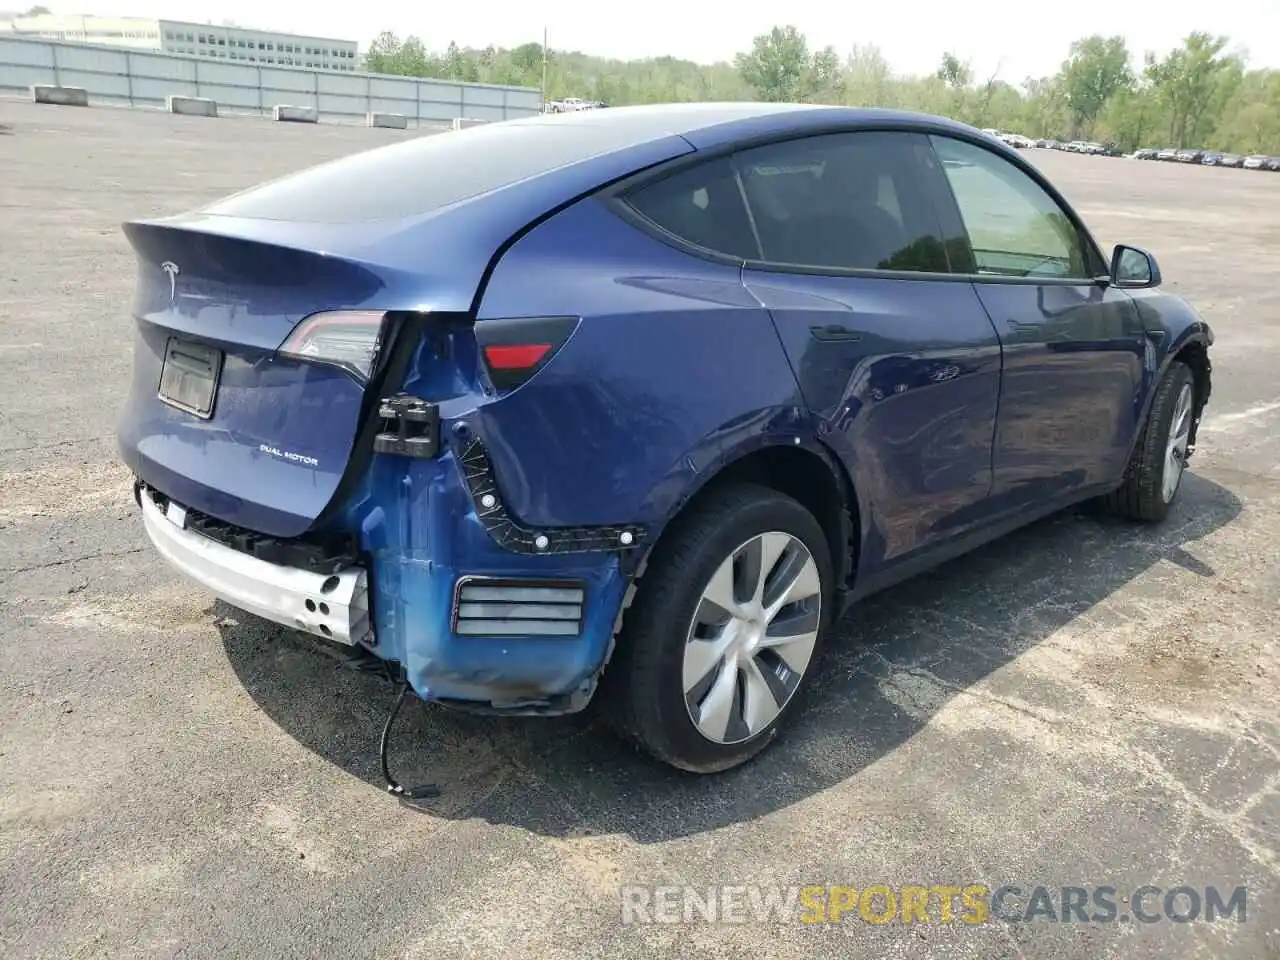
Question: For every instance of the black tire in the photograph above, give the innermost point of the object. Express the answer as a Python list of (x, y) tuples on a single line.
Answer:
[(642, 693), (1140, 496)]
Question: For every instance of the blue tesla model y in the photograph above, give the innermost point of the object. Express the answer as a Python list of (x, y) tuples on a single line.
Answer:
[(624, 406)]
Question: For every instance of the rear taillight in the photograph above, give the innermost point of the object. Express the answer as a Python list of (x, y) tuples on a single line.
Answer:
[(514, 350), (348, 339)]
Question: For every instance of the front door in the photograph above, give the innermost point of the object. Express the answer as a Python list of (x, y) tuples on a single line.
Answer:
[(1073, 347)]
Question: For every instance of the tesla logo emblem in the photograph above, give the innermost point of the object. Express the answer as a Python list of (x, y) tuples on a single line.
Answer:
[(171, 268)]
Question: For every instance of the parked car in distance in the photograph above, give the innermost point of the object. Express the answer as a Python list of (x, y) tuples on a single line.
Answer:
[(572, 105), (1230, 160), (1189, 156), (1167, 154), (1146, 153), (1210, 159), (675, 386), (1017, 140)]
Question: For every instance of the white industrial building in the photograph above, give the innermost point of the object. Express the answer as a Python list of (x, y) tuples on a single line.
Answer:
[(193, 39)]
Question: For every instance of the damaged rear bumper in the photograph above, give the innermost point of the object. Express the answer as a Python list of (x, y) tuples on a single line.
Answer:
[(472, 624), (334, 605)]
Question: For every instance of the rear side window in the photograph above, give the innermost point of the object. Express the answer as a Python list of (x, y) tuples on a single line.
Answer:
[(701, 205), (849, 201)]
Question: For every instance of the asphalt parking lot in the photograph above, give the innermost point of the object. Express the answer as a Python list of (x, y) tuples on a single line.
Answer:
[(1084, 703)]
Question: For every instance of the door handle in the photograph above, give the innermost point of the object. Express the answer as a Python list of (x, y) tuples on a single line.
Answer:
[(834, 331)]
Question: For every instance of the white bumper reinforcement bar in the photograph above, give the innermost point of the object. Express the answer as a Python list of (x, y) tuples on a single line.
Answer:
[(335, 607)]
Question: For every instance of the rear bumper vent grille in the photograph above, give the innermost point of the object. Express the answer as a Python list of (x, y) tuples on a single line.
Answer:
[(490, 607)]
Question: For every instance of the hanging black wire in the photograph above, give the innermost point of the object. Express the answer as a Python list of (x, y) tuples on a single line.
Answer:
[(393, 785)]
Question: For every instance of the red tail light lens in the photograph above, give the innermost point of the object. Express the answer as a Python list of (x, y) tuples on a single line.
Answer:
[(515, 349), (515, 356), (348, 339)]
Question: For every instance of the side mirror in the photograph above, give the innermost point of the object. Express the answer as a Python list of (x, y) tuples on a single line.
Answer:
[(1134, 267)]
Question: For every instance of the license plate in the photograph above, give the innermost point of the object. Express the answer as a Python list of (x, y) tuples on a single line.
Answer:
[(189, 376)]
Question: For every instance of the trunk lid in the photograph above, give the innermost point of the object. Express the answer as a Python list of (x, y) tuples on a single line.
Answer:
[(242, 433)]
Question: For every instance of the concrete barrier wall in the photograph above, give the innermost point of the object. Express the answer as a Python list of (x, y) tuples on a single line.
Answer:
[(294, 114), (63, 96), (144, 78), (393, 121), (192, 106)]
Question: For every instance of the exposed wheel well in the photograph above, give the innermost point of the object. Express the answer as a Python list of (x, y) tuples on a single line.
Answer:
[(1196, 356), (819, 485)]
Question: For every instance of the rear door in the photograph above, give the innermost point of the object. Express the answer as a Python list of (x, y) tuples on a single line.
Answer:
[(898, 361), (1073, 347)]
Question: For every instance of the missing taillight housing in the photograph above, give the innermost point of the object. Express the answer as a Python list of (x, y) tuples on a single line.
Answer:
[(347, 339), (514, 349)]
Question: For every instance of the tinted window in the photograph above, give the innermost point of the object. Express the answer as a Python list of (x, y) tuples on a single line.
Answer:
[(844, 201), (701, 205), (1015, 228), (428, 172)]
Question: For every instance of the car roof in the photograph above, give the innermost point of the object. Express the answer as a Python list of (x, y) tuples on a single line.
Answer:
[(708, 123), (531, 154), (436, 208)]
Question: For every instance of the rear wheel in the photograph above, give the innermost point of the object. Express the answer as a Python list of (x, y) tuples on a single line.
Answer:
[(725, 626), (1159, 459)]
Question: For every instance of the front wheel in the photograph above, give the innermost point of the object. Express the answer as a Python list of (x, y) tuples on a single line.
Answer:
[(1159, 460), (726, 624)]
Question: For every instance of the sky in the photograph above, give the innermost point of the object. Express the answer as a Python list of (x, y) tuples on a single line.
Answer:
[(1015, 38)]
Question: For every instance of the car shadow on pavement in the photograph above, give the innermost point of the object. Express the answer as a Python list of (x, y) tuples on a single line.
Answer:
[(896, 660)]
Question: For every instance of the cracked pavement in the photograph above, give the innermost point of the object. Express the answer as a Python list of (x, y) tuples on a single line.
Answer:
[(1083, 703)]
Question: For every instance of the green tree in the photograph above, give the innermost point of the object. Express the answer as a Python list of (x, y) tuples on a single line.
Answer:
[(527, 58), (954, 72), (868, 80), (824, 81), (778, 66), (955, 75), (1197, 96), (1187, 81), (1250, 119), (1130, 118), (1044, 113), (998, 105), (457, 66), (412, 59), (1096, 70), (381, 55)]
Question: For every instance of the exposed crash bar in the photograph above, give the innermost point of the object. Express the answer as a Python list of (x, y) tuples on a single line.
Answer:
[(286, 595)]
